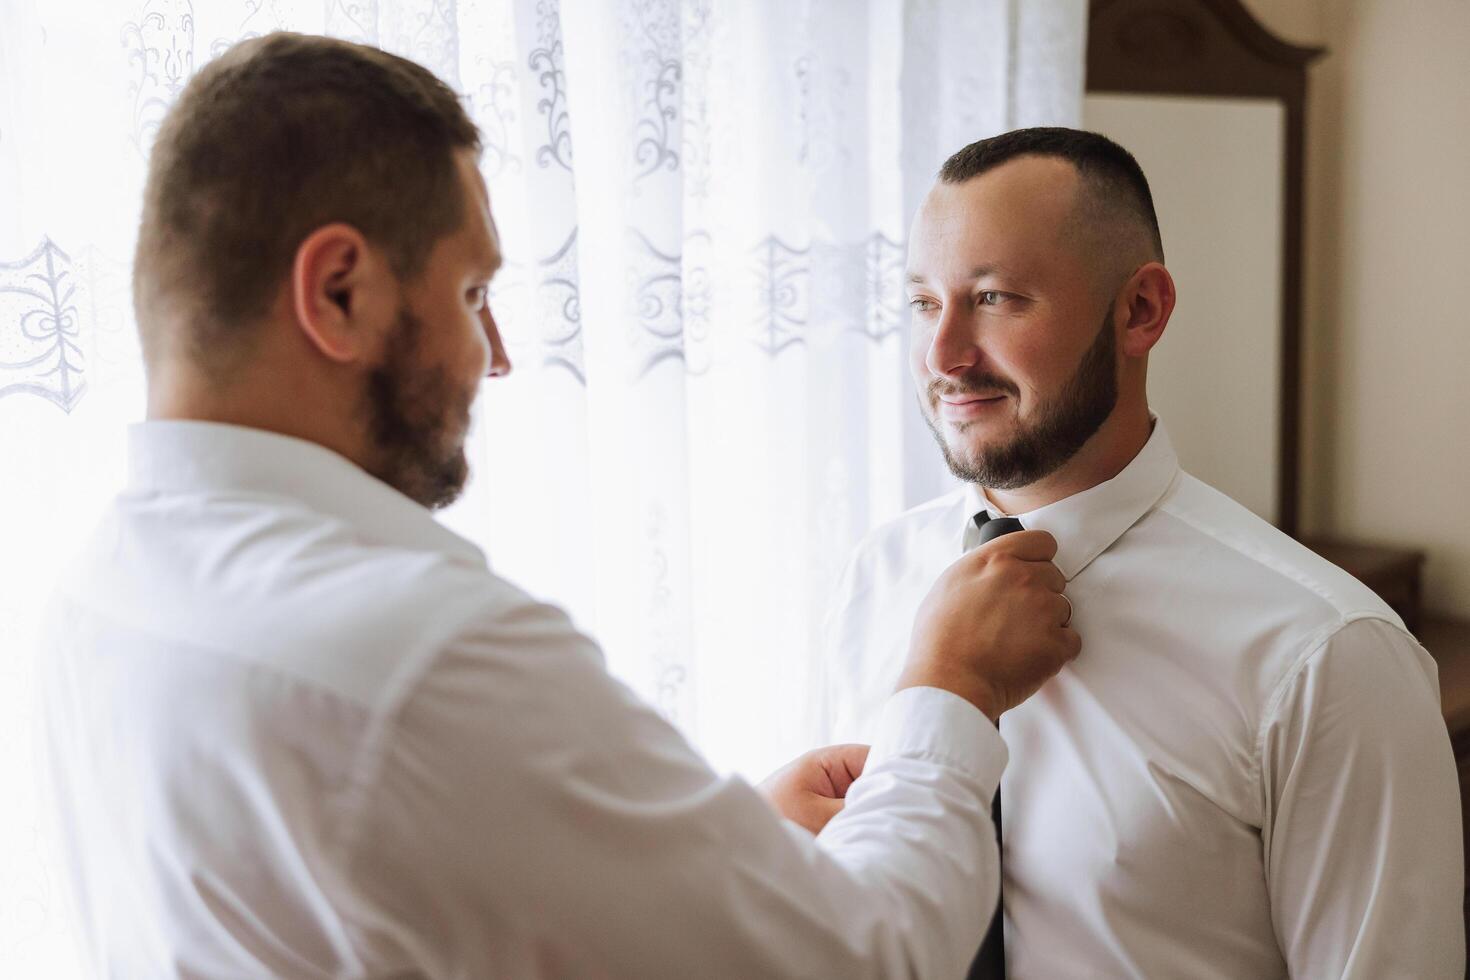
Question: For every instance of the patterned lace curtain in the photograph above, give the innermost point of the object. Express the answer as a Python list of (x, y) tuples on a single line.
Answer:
[(703, 205)]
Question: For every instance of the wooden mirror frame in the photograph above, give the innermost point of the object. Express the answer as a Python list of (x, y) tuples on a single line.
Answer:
[(1217, 48)]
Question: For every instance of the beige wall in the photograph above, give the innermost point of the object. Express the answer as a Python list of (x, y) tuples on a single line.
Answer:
[(1215, 379), (1387, 297)]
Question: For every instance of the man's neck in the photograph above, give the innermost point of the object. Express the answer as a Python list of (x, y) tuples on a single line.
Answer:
[(295, 410), (1120, 439)]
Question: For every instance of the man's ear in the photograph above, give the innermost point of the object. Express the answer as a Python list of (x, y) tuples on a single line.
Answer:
[(1145, 305), (340, 287)]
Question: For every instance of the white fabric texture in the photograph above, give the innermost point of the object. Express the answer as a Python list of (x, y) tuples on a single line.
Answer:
[(703, 206), (1245, 772), (299, 729)]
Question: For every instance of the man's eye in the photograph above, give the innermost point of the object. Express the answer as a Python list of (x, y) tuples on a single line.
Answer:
[(921, 305), (991, 297), (477, 297)]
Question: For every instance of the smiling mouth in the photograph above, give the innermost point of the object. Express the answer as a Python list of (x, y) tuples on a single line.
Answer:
[(957, 401), (967, 408)]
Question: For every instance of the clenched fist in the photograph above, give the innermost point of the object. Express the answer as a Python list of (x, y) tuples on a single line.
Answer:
[(992, 628)]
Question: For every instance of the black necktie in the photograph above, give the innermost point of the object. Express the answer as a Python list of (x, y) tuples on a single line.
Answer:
[(990, 962)]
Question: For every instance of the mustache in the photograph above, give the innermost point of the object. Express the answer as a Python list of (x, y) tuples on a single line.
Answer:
[(980, 384)]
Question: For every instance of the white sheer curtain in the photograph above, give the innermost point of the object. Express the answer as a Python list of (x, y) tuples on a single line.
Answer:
[(703, 205)]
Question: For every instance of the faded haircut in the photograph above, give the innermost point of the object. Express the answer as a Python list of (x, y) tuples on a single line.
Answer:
[(277, 137), (1115, 202)]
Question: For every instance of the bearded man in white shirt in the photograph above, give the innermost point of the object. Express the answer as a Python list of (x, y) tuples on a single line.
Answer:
[(1245, 774), (297, 728)]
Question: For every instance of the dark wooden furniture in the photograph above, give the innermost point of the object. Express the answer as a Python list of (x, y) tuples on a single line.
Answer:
[(1448, 640), (1216, 48), (1394, 573)]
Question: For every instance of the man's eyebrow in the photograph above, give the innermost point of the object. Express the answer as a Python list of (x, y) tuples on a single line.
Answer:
[(978, 272)]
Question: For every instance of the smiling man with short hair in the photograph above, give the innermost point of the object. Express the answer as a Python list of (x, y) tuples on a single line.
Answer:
[(1245, 773)]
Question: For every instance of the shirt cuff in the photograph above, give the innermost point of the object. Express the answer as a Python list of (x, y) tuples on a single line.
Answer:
[(934, 724)]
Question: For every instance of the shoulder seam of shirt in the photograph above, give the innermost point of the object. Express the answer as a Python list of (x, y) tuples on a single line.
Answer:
[(367, 762), (1315, 647), (64, 589), (1300, 578), (64, 592), (360, 534), (1314, 644)]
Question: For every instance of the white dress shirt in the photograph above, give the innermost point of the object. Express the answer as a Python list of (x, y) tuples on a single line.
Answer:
[(1245, 773), (297, 728)]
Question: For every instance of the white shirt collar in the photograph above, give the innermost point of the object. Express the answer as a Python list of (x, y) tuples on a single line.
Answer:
[(1086, 524), (210, 457)]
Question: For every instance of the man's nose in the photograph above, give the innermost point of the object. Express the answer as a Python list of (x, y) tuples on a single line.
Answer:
[(499, 360), (953, 349)]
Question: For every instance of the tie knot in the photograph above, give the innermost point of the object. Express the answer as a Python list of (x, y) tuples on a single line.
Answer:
[(993, 527), (982, 527)]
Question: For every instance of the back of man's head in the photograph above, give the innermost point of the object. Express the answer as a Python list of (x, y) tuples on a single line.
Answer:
[(1115, 209), (279, 136)]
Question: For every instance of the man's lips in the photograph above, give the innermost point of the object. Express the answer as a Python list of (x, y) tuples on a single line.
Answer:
[(965, 399), (965, 408)]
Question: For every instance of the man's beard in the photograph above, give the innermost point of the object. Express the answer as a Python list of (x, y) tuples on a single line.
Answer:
[(1061, 428), (417, 419)]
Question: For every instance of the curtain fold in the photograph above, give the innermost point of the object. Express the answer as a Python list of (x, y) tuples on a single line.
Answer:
[(703, 207)]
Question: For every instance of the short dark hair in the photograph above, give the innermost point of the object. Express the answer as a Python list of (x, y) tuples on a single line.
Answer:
[(278, 136), (1112, 178)]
